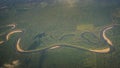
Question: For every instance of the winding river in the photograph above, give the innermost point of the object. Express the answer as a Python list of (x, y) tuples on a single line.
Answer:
[(12, 26), (57, 45)]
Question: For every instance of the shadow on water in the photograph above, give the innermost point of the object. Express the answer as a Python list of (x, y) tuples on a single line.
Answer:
[(37, 41), (39, 35), (34, 45), (42, 58), (27, 61)]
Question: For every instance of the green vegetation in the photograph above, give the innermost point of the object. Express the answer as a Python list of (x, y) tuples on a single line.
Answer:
[(57, 21)]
